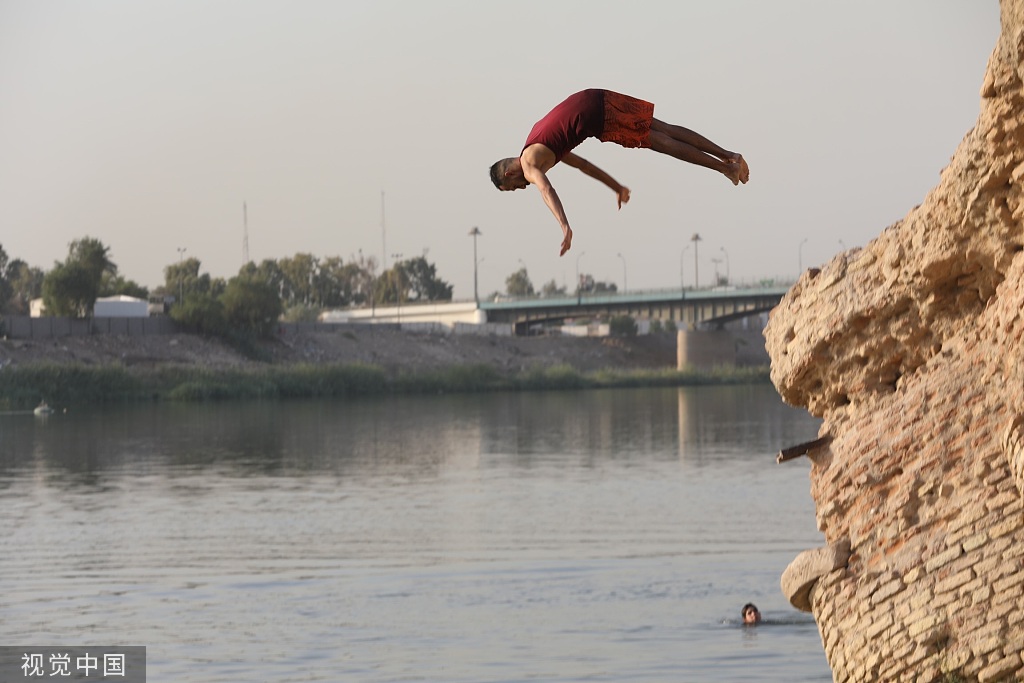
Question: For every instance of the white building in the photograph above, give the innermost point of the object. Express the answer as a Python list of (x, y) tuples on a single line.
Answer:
[(120, 306)]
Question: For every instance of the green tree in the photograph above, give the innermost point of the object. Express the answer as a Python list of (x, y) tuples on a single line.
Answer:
[(360, 279), (551, 288), (391, 284), (518, 284), (94, 257), (202, 312), (183, 280), (69, 290), (298, 276), (26, 284), (422, 282), (71, 287), (112, 285), (328, 284), (622, 326), (6, 290), (251, 305)]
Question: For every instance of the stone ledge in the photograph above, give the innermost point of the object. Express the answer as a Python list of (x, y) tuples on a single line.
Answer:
[(809, 566)]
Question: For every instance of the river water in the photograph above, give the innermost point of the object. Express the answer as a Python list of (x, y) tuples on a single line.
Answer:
[(603, 535)]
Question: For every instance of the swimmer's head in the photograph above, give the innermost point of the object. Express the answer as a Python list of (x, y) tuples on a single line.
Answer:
[(750, 614)]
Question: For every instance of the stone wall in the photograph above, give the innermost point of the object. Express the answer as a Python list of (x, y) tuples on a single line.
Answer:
[(912, 352)]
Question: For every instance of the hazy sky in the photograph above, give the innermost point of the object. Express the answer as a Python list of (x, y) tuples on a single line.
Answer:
[(148, 124)]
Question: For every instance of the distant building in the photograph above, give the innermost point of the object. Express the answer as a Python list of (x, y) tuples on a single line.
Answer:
[(36, 308), (160, 305), (120, 306)]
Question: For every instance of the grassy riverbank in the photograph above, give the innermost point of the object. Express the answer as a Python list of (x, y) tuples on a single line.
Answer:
[(63, 385)]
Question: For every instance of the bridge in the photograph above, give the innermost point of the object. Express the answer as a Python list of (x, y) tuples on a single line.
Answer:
[(689, 309)]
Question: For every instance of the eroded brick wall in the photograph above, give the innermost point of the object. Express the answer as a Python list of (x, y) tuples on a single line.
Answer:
[(912, 352)]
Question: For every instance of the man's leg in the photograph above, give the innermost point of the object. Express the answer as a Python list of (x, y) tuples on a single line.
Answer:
[(687, 145)]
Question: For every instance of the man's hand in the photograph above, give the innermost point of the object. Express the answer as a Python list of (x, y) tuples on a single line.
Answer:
[(566, 241), (623, 193)]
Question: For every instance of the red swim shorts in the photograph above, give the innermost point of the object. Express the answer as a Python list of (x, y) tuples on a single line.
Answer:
[(627, 120)]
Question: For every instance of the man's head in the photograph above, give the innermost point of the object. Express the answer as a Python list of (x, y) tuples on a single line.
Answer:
[(507, 175), (750, 613)]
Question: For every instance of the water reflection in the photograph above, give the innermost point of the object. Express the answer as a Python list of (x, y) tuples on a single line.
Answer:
[(408, 435)]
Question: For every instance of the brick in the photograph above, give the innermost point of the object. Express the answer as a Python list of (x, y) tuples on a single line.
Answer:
[(878, 626), (986, 646), (1002, 500), (1001, 546), (969, 514), (1000, 669), (1010, 583), (919, 626), (997, 475), (913, 575), (943, 558), (919, 654), (887, 590), (1005, 527), (922, 599), (982, 595), (985, 566), (976, 541), (954, 581)]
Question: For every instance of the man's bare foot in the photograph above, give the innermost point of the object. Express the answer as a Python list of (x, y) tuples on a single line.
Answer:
[(732, 171), (744, 170)]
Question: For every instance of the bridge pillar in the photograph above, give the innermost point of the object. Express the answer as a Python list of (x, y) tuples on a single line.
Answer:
[(704, 349), (710, 348)]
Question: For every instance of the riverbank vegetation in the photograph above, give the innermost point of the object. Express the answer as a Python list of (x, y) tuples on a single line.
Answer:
[(63, 385)]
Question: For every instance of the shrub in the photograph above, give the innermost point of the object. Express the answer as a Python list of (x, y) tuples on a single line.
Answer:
[(622, 326)]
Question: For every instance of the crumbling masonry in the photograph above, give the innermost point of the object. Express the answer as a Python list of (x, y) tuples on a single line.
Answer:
[(912, 352)]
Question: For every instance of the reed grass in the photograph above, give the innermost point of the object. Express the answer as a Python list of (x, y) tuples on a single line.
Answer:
[(22, 387)]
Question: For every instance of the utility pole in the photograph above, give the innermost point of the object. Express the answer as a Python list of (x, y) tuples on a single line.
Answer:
[(475, 232), (696, 238), (398, 272), (579, 288), (383, 236)]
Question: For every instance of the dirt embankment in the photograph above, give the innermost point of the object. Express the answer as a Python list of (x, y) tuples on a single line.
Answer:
[(388, 348)]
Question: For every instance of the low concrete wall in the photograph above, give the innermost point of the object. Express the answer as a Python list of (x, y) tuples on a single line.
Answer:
[(24, 327)]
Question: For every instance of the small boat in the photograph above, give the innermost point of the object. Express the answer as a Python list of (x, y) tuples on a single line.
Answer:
[(43, 409)]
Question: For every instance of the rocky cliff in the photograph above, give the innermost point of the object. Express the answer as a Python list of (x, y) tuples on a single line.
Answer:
[(912, 352)]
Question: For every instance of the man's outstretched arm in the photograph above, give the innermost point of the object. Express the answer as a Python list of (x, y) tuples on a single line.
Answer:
[(538, 178), (620, 190)]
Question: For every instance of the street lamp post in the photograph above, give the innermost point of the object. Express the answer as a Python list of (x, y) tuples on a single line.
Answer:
[(696, 238), (716, 261), (727, 278), (475, 232), (625, 282), (682, 282), (579, 290), (181, 287)]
